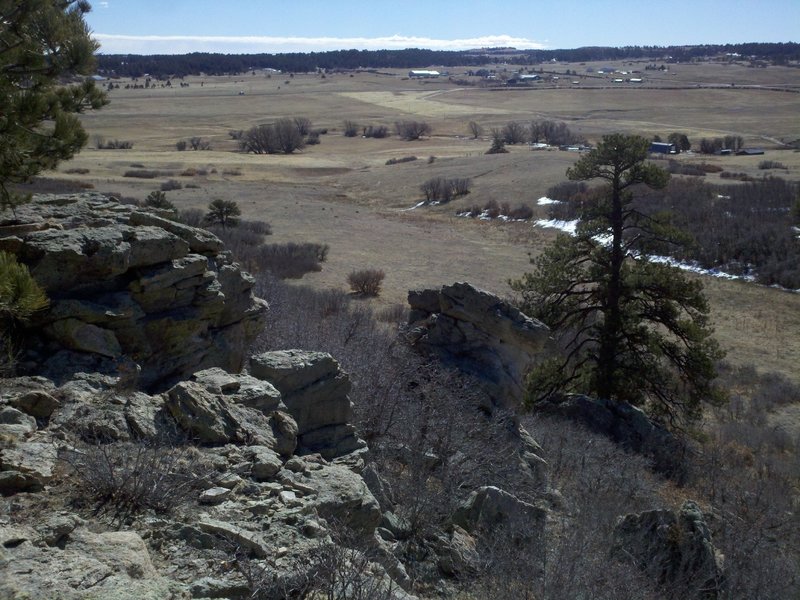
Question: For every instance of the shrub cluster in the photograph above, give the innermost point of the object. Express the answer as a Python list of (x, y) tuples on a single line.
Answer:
[(771, 164), (376, 131), (281, 137), (494, 210), (404, 159), (442, 190), (729, 142), (147, 173), (113, 144), (171, 184)]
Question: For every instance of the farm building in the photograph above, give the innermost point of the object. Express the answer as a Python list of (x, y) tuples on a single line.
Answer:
[(663, 148), (423, 74), (750, 152)]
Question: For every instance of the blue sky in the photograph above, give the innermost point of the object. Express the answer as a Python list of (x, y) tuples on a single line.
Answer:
[(234, 26)]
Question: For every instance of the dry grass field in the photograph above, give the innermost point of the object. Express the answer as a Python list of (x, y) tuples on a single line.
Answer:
[(342, 193)]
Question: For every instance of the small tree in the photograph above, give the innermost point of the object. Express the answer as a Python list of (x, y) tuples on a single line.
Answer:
[(223, 212), (20, 298), (158, 199), (350, 129), (366, 282), (475, 130), (412, 130), (633, 331), (680, 140), (498, 143)]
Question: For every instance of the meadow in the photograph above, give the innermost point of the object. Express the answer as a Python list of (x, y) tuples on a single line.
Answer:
[(342, 193)]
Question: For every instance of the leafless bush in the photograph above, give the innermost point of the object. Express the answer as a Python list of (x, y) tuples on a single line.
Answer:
[(376, 131), (193, 217), (198, 143), (290, 260), (395, 313), (147, 173), (771, 164), (181, 145), (554, 133), (303, 125), (366, 282), (281, 137), (350, 129), (442, 190), (521, 212), (404, 159), (113, 144), (233, 172), (514, 133), (412, 130), (77, 171), (475, 130), (171, 184), (124, 478)]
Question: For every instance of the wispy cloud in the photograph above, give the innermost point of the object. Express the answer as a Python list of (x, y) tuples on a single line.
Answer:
[(103, 4), (179, 44)]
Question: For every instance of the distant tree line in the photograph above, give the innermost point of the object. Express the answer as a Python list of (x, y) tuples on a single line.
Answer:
[(163, 65)]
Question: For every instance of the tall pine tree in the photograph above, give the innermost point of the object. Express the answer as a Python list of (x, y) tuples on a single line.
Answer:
[(631, 330), (42, 44)]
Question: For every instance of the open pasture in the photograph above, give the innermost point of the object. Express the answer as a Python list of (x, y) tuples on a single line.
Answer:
[(342, 193)]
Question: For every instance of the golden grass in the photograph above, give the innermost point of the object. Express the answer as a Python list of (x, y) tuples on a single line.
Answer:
[(342, 193)]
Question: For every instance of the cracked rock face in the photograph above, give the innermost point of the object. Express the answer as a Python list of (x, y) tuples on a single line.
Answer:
[(479, 333), (127, 283)]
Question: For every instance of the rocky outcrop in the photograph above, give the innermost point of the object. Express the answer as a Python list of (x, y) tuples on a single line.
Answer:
[(626, 425), (315, 391), (489, 508), (675, 549), (126, 282), (69, 562), (479, 333)]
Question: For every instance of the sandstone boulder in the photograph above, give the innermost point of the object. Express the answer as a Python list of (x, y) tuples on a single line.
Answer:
[(479, 333), (489, 508), (315, 392), (675, 549)]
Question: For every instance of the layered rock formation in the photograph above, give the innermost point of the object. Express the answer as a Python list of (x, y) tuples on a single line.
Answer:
[(479, 333), (127, 284)]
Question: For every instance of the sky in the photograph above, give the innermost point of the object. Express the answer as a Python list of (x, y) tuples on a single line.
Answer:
[(252, 26)]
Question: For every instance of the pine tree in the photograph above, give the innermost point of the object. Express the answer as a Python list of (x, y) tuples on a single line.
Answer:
[(42, 43), (223, 212), (631, 330)]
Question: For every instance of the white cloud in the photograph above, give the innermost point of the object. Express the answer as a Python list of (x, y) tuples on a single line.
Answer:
[(179, 44), (103, 4)]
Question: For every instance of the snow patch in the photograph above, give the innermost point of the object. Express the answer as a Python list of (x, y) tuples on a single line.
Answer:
[(565, 226), (544, 201)]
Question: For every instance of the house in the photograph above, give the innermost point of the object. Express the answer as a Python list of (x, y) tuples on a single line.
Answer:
[(663, 148), (750, 152), (423, 74)]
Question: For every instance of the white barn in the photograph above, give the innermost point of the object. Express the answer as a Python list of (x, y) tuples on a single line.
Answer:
[(423, 74)]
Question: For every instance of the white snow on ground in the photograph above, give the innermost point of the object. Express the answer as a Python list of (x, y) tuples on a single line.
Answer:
[(565, 226), (570, 227), (417, 205), (544, 201)]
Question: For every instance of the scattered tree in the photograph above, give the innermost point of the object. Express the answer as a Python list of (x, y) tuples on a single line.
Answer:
[(680, 140), (42, 44), (633, 331), (475, 130), (198, 143), (412, 130), (223, 212), (514, 133), (281, 137), (350, 129), (498, 143), (442, 190)]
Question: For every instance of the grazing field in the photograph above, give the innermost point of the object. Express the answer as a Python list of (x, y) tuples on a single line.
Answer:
[(342, 193)]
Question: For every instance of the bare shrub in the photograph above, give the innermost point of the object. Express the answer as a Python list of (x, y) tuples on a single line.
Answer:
[(290, 260), (233, 172), (771, 164), (376, 131), (521, 213), (312, 139), (77, 171), (514, 133), (442, 190), (395, 313), (124, 478), (181, 145), (193, 217), (554, 133), (188, 172), (350, 129), (303, 125), (404, 159), (147, 173), (113, 144), (198, 143), (412, 130), (366, 282), (281, 137), (171, 184)]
